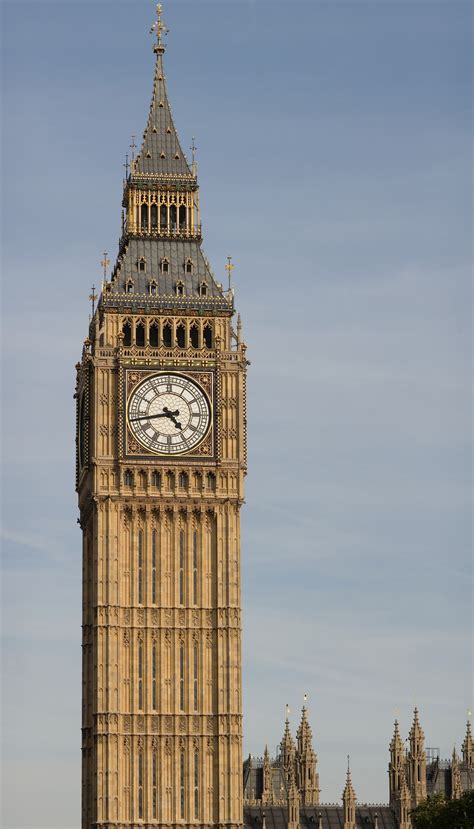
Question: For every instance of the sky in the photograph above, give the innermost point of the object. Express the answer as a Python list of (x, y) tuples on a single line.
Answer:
[(334, 151)]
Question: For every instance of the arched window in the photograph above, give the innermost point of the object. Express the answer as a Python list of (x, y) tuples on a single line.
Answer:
[(164, 265), (154, 335), (195, 675), (211, 481), (156, 479), (188, 266), (173, 216), (194, 336), (179, 289), (154, 702), (129, 286), (140, 785), (182, 784), (167, 335), (196, 785), (163, 217), (170, 481), (128, 477), (127, 334), (153, 566), (152, 288), (207, 336), (154, 216), (203, 289), (182, 561), (154, 784), (140, 334), (142, 265), (140, 568), (183, 480), (181, 678), (182, 217), (198, 481), (195, 567), (144, 217), (181, 336), (140, 677)]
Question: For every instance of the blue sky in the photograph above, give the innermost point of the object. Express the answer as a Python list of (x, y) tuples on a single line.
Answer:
[(334, 143)]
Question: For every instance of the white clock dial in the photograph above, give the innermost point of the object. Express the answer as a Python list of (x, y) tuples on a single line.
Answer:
[(169, 414)]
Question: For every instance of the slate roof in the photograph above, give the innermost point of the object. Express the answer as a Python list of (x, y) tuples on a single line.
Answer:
[(332, 817), (161, 151)]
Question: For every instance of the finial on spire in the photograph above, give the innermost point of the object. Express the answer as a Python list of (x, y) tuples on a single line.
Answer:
[(93, 297), (105, 264), (193, 150), (229, 268), (160, 29), (133, 147), (126, 165), (288, 712)]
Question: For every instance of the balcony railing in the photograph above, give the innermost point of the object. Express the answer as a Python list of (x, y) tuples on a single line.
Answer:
[(166, 232)]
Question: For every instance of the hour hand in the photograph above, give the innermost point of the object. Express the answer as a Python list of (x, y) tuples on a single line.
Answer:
[(170, 414)]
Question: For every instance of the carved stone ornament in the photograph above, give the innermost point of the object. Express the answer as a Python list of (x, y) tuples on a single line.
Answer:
[(141, 723), (126, 724), (141, 617), (168, 746), (182, 725), (168, 724), (154, 723), (154, 617)]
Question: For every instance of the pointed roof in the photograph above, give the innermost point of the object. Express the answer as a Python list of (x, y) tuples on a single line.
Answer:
[(416, 732), (468, 745), (304, 731), (161, 152), (396, 744), (348, 793)]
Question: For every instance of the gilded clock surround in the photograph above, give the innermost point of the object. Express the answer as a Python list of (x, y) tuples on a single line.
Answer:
[(162, 706)]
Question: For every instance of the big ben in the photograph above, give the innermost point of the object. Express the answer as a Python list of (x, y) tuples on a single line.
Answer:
[(161, 460)]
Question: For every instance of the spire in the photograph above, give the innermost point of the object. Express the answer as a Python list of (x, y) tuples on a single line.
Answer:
[(287, 749), (349, 800), (306, 762), (456, 785), (403, 803), (468, 746), (267, 788), (395, 766), (416, 762), (161, 152), (293, 800)]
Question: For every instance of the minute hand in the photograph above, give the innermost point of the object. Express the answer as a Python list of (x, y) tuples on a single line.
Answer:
[(151, 417)]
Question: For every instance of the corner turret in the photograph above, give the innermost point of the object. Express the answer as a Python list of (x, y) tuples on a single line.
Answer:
[(306, 763), (349, 801)]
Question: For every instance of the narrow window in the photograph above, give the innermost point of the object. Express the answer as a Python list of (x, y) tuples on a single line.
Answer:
[(153, 679), (140, 567), (181, 336), (127, 334), (196, 785), (154, 333), (189, 266), (129, 286), (173, 216), (203, 289), (207, 336), (142, 265), (182, 217), (144, 217), (128, 478), (167, 336), (182, 552), (164, 265), (196, 676), (153, 566), (182, 784), (179, 289), (140, 677), (195, 567), (140, 785), (154, 783), (183, 480), (140, 334), (170, 481), (211, 482), (152, 289), (154, 216), (181, 678), (156, 479), (163, 217), (194, 336)]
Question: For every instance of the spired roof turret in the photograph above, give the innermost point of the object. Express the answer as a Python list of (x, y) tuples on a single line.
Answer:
[(160, 263)]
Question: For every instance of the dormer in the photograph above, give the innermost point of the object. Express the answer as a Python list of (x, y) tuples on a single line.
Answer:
[(152, 287), (164, 265), (179, 288), (129, 286)]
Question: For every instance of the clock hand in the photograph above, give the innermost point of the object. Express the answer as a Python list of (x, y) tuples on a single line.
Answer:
[(150, 417)]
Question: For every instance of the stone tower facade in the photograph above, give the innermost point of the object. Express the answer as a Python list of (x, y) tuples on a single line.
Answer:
[(161, 459)]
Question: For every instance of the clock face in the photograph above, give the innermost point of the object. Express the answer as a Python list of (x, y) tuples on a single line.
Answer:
[(169, 414)]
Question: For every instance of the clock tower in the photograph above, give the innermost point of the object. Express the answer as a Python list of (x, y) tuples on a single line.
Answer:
[(161, 459)]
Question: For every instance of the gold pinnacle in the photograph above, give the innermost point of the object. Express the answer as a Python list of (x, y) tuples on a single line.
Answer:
[(158, 26)]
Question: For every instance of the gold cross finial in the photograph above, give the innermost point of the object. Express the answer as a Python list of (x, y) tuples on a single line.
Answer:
[(229, 268), (159, 28), (105, 264)]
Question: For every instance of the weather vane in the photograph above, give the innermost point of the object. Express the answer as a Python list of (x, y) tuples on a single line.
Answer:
[(229, 268), (93, 297), (105, 264), (159, 27)]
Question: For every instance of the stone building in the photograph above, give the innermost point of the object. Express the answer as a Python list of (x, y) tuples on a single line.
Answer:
[(284, 791)]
